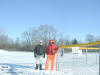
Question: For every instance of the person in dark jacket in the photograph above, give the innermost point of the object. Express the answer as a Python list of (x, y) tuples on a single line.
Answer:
[(39, 54)]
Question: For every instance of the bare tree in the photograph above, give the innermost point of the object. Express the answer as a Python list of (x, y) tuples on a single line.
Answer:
[(90, 38), (63, 40), (98, 38), (47, 32), (43, 32), (27, 39)]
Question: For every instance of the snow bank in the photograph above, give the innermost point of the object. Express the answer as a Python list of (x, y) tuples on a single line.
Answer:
[(3, 51), (23, 63)]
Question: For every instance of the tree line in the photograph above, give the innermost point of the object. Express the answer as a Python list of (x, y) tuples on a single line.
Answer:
[(30, 38)]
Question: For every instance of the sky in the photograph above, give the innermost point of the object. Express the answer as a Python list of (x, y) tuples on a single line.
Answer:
[(76, 18)]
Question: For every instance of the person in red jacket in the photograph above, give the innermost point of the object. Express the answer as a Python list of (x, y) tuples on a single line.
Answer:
[(51, 50)]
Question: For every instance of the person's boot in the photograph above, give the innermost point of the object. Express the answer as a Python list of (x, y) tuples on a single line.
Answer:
[(36, 66), (40, 66)]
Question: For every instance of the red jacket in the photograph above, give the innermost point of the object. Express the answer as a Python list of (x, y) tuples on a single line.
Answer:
[(51, 49)]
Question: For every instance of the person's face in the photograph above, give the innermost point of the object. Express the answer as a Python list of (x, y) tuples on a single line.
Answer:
[(50, 43), (41, 43)]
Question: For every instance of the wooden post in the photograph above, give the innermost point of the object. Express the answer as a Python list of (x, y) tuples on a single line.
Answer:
[(86, 56), (96, 56)]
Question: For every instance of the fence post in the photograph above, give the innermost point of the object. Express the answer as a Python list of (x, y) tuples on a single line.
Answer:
[(86, 56), (96, 56)]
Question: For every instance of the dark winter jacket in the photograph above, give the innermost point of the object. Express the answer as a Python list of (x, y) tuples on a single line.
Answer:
[(39, 50)]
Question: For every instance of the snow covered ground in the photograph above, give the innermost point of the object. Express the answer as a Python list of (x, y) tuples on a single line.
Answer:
[(23, 63)]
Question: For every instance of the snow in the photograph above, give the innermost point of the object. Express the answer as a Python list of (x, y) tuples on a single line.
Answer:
[(23, 63)]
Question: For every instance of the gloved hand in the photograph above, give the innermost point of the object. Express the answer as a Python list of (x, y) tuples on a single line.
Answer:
[(44, 56), (35, 55)]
